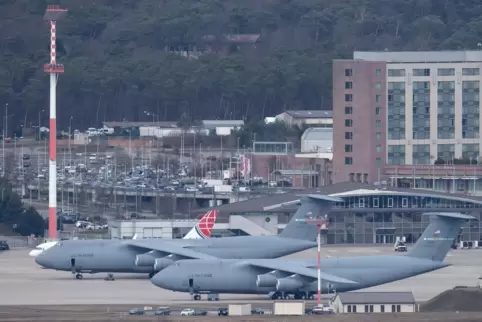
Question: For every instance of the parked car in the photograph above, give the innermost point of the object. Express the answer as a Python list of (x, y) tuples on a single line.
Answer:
[(257, 311), (223, 312), (162, 311), (136, 311), (4, 245)]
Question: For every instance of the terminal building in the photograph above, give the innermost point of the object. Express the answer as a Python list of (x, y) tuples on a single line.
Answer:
[(367, 215)]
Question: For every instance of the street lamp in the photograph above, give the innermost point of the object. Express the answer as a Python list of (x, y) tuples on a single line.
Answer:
[(70, 150)]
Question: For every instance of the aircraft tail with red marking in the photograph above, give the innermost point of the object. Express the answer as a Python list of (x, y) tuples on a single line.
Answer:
[(204, 227)]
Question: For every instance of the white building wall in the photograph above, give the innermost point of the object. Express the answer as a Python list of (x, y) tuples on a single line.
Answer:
[(458, 78), (224, 130), (339, 307)]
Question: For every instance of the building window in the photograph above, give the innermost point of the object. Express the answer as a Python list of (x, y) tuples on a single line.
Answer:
[(376, 202), (348, 135), (378, 72), (348, 110), (366, 308), (396, 154), (378, 148), (348, 308), (446, 72), (404, 203), (378, 162), (396, 72), (378, 135), (470, 71), (382, 308), (377, 110), (348, 97), (398, 308), (371, 308), (378, 85), (361, 202), (348, 148), (348, 85), (348, 160), (378, 98), (378, 124), (421, 72), (348, 123), (393, 308), (348, 72), (390, 202)]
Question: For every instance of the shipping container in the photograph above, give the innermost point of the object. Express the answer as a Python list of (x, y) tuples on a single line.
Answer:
[(239, 309), (289, 308)]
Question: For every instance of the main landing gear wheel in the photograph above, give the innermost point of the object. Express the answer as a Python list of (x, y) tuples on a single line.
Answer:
[(79, 276), (197, 297)]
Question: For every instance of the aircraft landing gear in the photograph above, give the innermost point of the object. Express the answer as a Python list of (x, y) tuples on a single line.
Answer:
[(109, 277), (79, 276), (197, 297)]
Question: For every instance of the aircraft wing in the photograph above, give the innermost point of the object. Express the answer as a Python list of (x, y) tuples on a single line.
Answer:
[(168, 249), (294, 268)]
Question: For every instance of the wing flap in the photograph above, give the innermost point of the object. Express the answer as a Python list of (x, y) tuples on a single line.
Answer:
[(168, 249), (294, 268)]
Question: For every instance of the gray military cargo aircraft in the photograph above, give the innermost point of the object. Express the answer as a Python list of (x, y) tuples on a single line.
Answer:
[(281, 278), (153, 255)]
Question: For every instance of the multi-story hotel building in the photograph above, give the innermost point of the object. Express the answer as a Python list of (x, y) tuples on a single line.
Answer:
[(404, 108)]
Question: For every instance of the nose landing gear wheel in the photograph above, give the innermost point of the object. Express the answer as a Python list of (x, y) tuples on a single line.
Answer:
[(79, 276), (197, 297)]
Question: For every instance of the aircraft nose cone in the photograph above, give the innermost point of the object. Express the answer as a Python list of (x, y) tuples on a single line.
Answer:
[(163, 279), (43, 260)]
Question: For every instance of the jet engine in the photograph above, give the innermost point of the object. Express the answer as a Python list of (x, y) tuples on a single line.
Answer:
[(161, 263), (145, 260), (288, 285), (266, 280)]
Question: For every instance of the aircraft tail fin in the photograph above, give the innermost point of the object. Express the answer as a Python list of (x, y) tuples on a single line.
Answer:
[(312, 211), (204, 228), (439, 236)]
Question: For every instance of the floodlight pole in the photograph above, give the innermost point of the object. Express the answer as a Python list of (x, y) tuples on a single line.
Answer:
[(52, 15)]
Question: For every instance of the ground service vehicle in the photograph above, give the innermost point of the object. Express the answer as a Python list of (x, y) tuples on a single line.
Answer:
[(223, 312), (4, 245)]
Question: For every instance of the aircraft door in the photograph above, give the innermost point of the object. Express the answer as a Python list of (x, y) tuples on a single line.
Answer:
[(191, 284)]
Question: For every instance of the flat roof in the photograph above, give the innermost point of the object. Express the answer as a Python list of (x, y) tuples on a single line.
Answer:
[(448, 56), (269, 202)]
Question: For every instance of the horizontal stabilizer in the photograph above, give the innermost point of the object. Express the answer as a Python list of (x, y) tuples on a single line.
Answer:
[(292, 268), (168, 249), (454, 215)]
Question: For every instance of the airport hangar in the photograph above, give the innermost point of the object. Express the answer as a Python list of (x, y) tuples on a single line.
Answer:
[(368, 215)]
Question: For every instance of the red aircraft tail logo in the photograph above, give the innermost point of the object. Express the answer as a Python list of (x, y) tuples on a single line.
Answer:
[(205, 226)]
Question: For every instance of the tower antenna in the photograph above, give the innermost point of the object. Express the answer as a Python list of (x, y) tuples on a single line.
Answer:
[(52, 15)]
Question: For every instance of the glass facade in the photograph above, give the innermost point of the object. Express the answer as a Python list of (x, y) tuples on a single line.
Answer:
[(381, 218), (470, 152), (470, 109), (396, 154), (446, 152), (421, 111), (446, 110), (421, 154), (272, 147), (396, 110)]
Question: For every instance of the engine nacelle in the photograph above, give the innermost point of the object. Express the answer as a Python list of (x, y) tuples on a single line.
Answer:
[(288, 285), (266, 280), (161, 263), (145, 260)]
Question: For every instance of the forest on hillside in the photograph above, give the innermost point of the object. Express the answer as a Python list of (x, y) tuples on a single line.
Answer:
[(144, 60)]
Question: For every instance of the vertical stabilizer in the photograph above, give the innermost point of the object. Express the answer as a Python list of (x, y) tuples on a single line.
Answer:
[(204, 227), (438, 237), (311, 207)]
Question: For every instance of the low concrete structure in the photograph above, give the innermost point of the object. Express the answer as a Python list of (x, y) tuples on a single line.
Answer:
[(374, 302)]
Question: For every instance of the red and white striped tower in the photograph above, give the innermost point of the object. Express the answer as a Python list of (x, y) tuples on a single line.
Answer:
[(52, 15)]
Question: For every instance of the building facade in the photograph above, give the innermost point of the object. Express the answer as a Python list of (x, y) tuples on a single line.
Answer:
[(320, 118), (374, 302), (430, 110)]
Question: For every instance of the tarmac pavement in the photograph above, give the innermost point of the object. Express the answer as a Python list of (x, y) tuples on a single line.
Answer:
[(23, 282)]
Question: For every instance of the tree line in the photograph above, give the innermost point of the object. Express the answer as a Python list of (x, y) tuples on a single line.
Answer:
[(155, 60)]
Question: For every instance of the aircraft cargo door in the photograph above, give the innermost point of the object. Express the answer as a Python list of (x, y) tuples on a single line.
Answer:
[(200, 282)]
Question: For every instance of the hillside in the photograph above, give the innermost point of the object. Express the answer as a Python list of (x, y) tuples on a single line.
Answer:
[(248, 58)]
